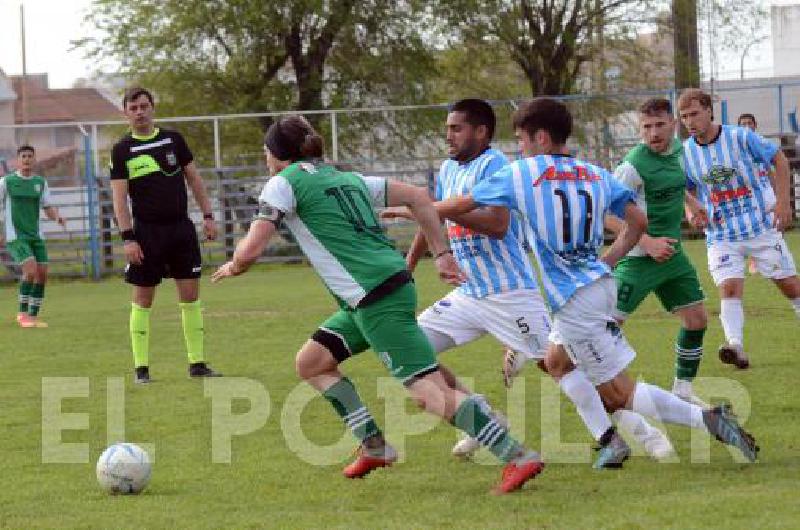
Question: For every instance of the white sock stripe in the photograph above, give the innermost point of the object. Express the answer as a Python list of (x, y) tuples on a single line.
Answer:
[(356, 413), (485, 436), (363, 417), (678, 348), (355, 426), (498, 434), (485, 429)]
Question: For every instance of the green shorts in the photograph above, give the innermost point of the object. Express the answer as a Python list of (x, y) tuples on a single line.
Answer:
[(24, 249), (389, 327), (674, 282)]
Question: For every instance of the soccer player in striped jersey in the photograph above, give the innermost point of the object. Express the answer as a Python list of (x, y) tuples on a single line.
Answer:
[(331, 214), (500, 295), (746, 213), (563, 202)]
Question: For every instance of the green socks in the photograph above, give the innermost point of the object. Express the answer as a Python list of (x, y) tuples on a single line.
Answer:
[(192, 319), (343, 397), (24, 295), (140, 334), (689, 353), (471, 419), (35, 297)]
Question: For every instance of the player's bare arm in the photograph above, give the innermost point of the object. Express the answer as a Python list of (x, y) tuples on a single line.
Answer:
[(634, 226), (780, 183), (417, 200), (659, 248), (119, 196), (696, 213), (248, 249), (195, 182), (52, 213)]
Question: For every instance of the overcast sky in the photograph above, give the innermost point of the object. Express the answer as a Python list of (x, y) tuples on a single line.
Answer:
[(50, 25)]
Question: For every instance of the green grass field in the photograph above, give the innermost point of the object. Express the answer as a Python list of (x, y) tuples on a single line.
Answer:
[(254, 326)]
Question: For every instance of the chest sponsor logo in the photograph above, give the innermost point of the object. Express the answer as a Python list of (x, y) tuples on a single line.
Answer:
[(720, 175), (721, 196), (667, 193)]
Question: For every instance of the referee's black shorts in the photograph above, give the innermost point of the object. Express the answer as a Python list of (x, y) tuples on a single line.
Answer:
[(170, 251)]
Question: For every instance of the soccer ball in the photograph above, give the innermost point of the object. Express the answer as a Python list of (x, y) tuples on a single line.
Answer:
[(123, 468)]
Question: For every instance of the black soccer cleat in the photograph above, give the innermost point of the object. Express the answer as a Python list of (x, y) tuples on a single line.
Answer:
[(202, 370), (722, 423), (142, 376)]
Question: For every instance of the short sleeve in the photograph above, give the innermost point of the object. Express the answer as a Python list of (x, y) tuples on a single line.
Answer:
[(618, 197), (627, 175), (763, 150), (278, 193), (182, 151), (377, 189), (497, 190), (47, 200), (496, 163), (119, 170)]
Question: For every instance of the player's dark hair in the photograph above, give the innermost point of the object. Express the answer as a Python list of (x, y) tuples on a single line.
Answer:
[(546, 114), (293, 138), (694, 94), (746, 116), (656, 106), (25, 148), (477, 112), (135, 92)]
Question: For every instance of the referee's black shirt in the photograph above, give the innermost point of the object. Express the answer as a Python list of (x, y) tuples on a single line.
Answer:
[(153, 166)]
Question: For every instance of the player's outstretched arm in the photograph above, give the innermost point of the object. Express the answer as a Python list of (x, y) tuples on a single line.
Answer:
[(489, 220), (780, 183), (635, 225), (248, 249), (418, 248), (417, 200)]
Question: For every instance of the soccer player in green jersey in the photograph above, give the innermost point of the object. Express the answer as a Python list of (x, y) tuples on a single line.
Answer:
[(331, 215), (22, 195), (658, 264)]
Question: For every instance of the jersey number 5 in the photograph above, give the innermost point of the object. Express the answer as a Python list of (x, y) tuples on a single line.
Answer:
[(566, 213), (356, 207)]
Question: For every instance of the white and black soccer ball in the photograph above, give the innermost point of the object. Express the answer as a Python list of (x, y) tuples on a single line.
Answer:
[(123, 468)]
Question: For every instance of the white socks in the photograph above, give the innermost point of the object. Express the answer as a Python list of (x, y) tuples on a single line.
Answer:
[(796, 305), (732, 317), (658, 403), (634, 424), (590, 407)]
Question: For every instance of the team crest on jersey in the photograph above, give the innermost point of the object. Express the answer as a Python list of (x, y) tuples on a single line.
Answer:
[(172, 159), (37, 188), (307, 167), (720, 175)]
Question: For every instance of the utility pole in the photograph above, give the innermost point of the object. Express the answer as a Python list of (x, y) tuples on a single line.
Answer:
[(686, 56), (24, 84)]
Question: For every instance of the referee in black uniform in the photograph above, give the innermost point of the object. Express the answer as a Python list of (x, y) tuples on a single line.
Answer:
[(152, 166)]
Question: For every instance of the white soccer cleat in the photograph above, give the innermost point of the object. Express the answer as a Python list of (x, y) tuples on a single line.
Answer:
[(513, 363), (657, 445)]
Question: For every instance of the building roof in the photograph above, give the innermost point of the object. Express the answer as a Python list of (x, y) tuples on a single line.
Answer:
[(46, 105), (6, 93)]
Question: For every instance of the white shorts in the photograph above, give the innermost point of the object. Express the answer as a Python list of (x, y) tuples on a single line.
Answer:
[(726, 259), (586, 328), (518, 319)]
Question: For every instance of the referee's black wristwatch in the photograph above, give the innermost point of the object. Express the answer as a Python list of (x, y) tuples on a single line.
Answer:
[(208, 216), (128, 236)]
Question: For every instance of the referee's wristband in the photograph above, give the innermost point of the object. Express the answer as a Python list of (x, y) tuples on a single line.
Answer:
[(128, 235), (208, 216), (442, 253)]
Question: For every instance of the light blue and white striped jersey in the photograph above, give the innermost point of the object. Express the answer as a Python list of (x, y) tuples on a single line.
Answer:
[(563, 202), (491, 265), (727, 174)]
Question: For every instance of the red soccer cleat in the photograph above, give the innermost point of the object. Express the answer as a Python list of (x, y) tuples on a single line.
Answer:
[(515, 475), (366, 462)]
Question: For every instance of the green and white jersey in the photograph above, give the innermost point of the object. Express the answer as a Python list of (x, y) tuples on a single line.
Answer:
[(331, 215), (21, 198), (660, 185)]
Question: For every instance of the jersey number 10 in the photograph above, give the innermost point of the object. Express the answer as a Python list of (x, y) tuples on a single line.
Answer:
[(356, 207)]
